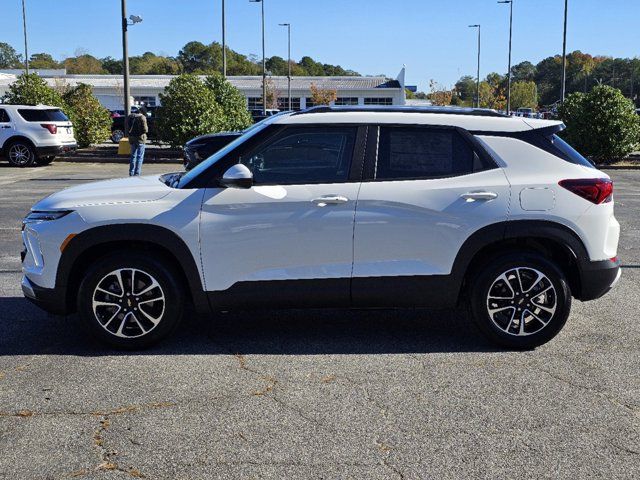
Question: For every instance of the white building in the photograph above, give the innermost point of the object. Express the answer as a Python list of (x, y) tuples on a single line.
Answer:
[(146, 88)]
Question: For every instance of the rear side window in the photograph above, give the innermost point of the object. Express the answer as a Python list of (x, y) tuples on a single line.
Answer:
[(39, 115), (569, 153), (419, 153), (4, 116)]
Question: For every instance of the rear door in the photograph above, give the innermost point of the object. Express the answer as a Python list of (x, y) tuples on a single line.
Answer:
[(425, 191), (6, 127)]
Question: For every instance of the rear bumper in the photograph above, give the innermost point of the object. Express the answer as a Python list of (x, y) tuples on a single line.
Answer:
[(597, 278), (49, 299), (56, 149)]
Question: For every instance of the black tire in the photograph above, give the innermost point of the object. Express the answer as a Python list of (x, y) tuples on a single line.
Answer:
[(21, 154), (528, 311), (117, 135), (124, 322), (45, 160)]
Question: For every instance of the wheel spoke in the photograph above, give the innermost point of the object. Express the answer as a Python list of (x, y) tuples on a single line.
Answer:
[(105, 325), (153, 285), (133, 315), (150, 300), (108, 292), (537, 317), (546, 309), (537, 280), (98, 303), (151, 319), (505, 280)]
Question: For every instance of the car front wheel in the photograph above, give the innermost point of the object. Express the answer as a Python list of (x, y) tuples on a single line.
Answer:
[(520, 301), (117, 135), (130, 301)]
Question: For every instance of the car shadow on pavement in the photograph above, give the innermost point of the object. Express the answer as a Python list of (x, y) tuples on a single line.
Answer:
[(27, 330)]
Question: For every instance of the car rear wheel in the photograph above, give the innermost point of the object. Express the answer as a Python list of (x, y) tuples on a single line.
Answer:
[(520, 301), (130, 301), (117, 135), (21, 154)]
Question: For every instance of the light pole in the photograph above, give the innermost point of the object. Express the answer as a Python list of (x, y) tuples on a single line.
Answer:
[(288, 25), (510, 2), (478, 77), (24, 28), (564, 52), (224, 43), (125, 61), (264, 65)]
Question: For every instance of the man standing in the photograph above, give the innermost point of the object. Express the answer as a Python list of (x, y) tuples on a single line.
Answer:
[(137, 138)]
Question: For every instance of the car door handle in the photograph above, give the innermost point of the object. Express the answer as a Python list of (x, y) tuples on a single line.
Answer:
[(329, 200), (471, 196)]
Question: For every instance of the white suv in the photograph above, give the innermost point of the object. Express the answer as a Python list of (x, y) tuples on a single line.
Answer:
[(338, 207), (34, 134)]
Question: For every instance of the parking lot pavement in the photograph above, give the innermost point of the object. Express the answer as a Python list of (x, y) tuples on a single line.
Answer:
[(407, 394)]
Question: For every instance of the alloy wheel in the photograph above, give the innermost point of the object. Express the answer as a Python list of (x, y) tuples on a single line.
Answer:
[(128, 303), (20, 154), (522, 301)]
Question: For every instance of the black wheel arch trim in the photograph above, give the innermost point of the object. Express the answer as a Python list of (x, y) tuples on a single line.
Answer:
[(133, 232)]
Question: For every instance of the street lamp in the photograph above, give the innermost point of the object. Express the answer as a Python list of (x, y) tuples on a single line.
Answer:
[(288, 25), (133, 19), (478, 77), (224, 43), (24, 28), (510, 2), (564, 52), (264, 66)]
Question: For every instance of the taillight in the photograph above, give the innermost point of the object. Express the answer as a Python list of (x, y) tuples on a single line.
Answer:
[(596, 190), (53, 129)]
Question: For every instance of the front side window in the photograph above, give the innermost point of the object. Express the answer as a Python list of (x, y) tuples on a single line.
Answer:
[(42, 115), (304, 156), (418, 153)]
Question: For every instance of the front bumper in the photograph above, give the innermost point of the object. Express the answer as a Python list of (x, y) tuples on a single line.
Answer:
[(597, 278), (52, 151), (48, 299)]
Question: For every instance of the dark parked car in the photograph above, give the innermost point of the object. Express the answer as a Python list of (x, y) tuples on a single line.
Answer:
[(117, 123), (202, 147), (258, 115)]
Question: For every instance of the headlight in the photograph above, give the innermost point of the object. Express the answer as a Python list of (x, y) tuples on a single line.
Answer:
[(37, 217)]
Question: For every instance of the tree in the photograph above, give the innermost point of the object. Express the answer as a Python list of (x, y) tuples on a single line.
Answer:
[(272, 94), (440, 95), (601, 124), (189, 109), (9, 58), (231, 101), (91, 121), (42, 60), (524, 95), (112, 65), (492, 97), (83, 64), (466, 89), (322, 96), (277, 66), (32, 90), (523, 72)]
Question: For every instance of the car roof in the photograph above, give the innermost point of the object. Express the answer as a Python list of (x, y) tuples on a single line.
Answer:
[(472, 119), (32, 107)]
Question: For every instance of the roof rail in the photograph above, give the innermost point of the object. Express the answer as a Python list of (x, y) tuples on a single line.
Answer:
[(482, 112)]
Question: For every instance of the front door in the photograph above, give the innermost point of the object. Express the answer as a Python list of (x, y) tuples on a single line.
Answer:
[(426, 191), (289, 238), (6, 127)]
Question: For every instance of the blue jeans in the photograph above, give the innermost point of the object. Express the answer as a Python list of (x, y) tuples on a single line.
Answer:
[(137, 157)]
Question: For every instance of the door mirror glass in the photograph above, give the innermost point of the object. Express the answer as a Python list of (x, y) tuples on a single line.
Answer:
[(237, 176)]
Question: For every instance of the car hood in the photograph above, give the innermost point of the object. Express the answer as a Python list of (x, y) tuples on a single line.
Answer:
[(108, 192)]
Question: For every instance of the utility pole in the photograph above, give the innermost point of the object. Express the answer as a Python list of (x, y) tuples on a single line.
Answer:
[(510, 2), (288, 25), (224, 43), (478, 76), (564, 52), (24, 28), (125, 67), (264, 64)]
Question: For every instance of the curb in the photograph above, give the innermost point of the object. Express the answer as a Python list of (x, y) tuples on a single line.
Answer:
[(618, 167)]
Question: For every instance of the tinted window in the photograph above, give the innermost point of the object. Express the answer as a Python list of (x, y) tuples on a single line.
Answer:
[(38, 115), (4, 117), (414, 152), (305, 155), (569, 153)]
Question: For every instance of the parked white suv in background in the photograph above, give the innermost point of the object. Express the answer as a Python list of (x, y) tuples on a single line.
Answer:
[(32, 135), (338, 207)]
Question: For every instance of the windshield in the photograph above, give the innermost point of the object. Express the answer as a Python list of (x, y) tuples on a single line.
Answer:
[(571, 154)]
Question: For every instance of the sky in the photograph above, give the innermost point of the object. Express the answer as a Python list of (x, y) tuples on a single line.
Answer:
[(430, 37)]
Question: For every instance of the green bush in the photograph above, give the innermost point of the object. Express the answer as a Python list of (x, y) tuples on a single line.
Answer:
[(189, 108), (601, 124), (232, 102), (32, 90), (91, 121)]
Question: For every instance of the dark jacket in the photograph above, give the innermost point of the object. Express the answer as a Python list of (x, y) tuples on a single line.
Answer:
[(133, 118)]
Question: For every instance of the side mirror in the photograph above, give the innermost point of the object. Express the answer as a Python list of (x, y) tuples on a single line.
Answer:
[(237, 176)]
